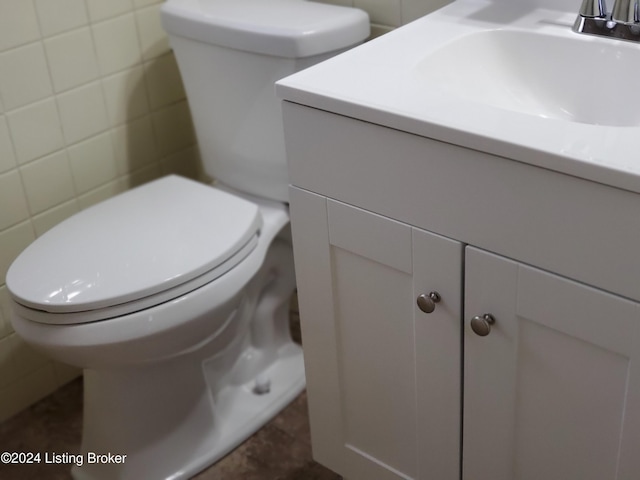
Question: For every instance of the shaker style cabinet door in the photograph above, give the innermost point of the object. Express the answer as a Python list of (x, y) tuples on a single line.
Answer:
[(437, 268), (552, 389), (383, 384)]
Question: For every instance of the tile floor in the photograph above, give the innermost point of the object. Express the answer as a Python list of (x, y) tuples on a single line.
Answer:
[(281, 450)]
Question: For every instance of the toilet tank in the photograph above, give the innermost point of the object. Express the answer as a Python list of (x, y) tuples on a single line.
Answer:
[(230, 53)]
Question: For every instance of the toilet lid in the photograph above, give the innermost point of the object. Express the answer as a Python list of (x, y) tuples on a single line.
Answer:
[(283, 28), (148, 240)]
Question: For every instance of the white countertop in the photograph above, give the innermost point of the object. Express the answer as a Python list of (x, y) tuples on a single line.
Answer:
[(376, 82)]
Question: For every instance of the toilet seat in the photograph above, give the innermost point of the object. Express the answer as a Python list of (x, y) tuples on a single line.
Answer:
[(144, 247)]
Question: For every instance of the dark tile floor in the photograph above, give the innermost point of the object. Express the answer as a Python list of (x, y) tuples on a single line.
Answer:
[(281, 450)]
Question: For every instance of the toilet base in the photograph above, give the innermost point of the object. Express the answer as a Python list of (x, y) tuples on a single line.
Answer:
[(240, 410), (245, 410)]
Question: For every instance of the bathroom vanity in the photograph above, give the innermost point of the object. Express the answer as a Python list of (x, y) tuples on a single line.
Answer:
[(468, 271)]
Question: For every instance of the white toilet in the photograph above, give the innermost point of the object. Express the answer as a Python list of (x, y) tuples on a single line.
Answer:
[(174, 296)]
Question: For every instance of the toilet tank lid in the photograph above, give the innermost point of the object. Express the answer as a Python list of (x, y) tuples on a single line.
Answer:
[(137, 244), (282, 28)]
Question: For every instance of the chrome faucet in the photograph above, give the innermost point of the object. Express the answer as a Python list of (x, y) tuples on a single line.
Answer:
[(626, 11), (623, 22)]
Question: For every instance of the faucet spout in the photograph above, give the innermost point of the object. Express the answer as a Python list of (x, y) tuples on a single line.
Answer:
[(626, 11), (594, 9)]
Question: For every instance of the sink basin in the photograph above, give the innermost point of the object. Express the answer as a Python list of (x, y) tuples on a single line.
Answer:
[(572, 79)]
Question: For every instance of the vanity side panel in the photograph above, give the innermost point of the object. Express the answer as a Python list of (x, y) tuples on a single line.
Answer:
[(577, 228), (315, 298)]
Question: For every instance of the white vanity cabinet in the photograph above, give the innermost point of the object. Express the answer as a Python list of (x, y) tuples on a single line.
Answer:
[(383, 375), (381, 217)]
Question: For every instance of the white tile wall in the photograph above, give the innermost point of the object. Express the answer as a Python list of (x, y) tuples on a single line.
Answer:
[(388, 14), (48, 181), (35, 130), (83, 112), (18, 23), (101, 9), (12, 193), (126, 95), (52, 21), (117, 44), (72, 59), (24, 77), (91, 104), (7, 159)]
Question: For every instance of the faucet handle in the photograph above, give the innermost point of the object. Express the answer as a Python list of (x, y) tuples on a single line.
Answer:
[(626, 11), (595, 8)]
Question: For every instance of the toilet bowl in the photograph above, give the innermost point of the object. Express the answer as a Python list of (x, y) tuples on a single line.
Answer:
[(177, 382), (174, 296)]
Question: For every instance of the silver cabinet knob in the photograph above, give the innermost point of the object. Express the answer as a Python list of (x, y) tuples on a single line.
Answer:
[(481, 325), (427, 302)]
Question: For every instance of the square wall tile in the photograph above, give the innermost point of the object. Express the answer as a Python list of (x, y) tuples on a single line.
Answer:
[(117, 44), (101, 194), (5, 308), (93, 162), (57, 16), (18, 23), (414, 9), (26, 391), (35, 130), (174, 128), (7, 159), (24, 77), (186, 163), (72, 59), (12, 241), (379, 30), (13, 200), (153, 39), (7, 365), (344, 3), (83, 112), (139, 177), (384, 12), (134, 145), (126, 95), (25, 358), (103, 9), (5, 322), (47, 181), (145, 3), (164, 81), (50, 218)]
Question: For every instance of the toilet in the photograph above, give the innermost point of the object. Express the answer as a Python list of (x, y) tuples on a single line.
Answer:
[(174, 296)]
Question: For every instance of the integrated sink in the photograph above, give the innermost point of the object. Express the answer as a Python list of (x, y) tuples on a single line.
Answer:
[(573, 79), (504, 77)]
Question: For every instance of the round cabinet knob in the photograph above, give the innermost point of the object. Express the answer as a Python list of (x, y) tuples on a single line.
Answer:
[(427, 302), (481, 325)]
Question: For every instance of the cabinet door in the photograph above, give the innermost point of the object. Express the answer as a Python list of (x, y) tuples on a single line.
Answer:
[(553, 391), (437, 266), (383, 388)]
